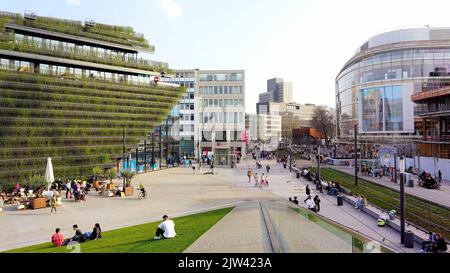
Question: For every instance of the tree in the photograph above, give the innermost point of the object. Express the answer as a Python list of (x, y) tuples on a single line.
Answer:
[(98, 172), (111, 174), (128, 176), (323, 121)]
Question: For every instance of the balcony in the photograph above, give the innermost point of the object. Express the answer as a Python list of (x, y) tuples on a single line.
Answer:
[(108, 33), (80, 54)]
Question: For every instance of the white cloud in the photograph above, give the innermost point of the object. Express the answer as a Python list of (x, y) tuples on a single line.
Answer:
[(170, 7), (73, 2)]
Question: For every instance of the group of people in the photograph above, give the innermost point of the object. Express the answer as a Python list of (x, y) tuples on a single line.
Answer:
[(76, 189), (313, 204), (260, 181), (361, 202), (79, 237), (333, 188), (428, 181), (434, 244)]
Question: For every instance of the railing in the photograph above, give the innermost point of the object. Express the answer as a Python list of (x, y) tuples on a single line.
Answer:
[(445, 138), (93, 79), (294, 229), (9, 43)]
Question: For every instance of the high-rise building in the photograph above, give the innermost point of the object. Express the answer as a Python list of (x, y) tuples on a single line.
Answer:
[(277, 91), (220, 115), (70, 90)]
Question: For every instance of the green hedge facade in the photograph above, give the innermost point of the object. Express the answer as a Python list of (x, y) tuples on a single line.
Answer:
[(77, 123)]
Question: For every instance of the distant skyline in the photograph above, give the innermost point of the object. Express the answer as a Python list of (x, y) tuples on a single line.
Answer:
[(304, 42)]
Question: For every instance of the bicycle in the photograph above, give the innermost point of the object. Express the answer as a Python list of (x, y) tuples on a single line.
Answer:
[(142, 194)]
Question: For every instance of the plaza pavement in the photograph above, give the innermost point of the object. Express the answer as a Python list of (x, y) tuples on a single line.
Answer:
[(178, 192), (175, 192)]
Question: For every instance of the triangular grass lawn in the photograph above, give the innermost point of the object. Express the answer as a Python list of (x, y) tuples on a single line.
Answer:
[(139, 239)]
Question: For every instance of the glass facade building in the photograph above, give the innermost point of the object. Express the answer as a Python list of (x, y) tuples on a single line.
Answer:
[(374, 88)]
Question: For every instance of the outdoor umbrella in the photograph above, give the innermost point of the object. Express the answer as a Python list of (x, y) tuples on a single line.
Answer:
[(49, 177)]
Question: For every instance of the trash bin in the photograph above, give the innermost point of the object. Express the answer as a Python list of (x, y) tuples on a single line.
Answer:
[(284, 165), (411, 183), (318, 185), (298, 174), (340, 200), (409, 239)]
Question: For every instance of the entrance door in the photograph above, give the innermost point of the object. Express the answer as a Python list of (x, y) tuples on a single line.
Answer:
[(221, 157)]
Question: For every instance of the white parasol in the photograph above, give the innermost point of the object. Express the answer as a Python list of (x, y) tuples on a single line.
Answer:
[(49, 177)]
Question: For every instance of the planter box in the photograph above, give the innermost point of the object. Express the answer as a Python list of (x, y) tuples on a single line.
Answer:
[(128, 191), (111, 186), (38, 203)]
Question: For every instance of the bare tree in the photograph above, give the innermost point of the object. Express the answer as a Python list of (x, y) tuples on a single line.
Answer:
[(323, 121)]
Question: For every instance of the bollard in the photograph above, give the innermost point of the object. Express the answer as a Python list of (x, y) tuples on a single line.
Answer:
[(298, 175)]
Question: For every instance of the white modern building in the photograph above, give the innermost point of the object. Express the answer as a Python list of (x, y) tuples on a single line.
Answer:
[(220, 115), (184, 130)]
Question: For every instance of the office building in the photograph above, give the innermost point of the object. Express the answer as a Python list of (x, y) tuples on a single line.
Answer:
[(70, 91), (277, 91), (293, 115), (220, 115)]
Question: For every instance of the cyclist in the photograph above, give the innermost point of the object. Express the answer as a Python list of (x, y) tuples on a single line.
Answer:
[(142, 189)]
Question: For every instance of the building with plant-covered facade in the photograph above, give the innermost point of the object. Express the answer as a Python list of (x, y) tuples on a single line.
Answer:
[(70, 89), (375, 87)]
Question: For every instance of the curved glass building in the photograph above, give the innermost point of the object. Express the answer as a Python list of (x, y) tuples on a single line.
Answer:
[(374, 89)]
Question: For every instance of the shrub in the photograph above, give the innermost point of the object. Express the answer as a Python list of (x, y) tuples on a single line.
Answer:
[(129, 175), (111, 174)]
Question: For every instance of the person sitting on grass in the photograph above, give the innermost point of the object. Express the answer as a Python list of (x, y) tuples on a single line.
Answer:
[(166, 229), (78, 237), (95, 234), (57, 238)]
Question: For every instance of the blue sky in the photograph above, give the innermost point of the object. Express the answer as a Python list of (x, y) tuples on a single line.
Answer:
[(304, 41)]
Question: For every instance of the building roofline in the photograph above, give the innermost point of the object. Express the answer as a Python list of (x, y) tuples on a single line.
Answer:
[(74, 38)]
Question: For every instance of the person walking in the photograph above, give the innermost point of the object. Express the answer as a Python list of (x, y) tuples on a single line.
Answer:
[(54, 203), (317, 202), (249, 174), (68, 189), (268, 168), (310, 204), (308, 191), (256, 179)]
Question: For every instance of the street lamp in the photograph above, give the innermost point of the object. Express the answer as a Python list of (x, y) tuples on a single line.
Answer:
[(402, 199), (356, 154), (318, 163)]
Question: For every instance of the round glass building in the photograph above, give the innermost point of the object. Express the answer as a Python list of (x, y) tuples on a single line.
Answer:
[(375, 87)]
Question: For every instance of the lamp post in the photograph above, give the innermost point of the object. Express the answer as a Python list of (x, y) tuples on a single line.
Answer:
[(356, 154), (402, 199), (145, 155), (318, 163), (123, 152)]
